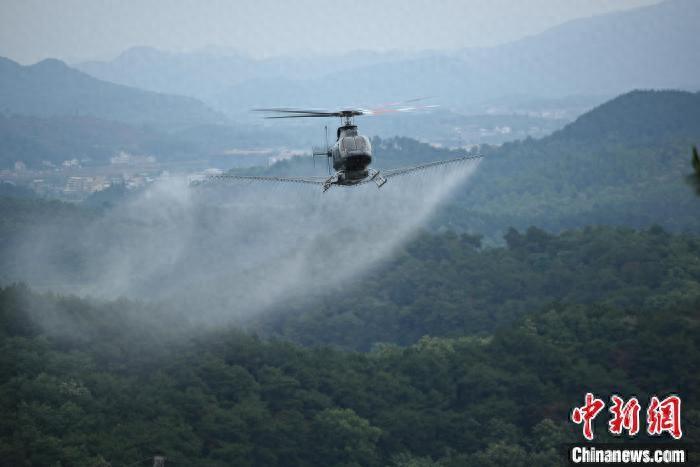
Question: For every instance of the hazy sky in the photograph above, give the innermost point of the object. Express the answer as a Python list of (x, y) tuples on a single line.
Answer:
[(73, 30)]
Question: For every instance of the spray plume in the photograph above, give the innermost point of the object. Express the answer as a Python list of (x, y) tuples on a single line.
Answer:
[(231, 252)]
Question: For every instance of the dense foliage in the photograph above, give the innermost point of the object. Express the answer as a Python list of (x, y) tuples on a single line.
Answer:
[(446, 285), (86, 383)]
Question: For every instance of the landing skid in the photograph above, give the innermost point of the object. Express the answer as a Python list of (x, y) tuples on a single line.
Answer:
[(373, 176), (330, 182), (376, 177)]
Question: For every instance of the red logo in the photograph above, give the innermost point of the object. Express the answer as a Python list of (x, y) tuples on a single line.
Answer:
[(587, 413), (625, 416), (665, 416), (662, 416)]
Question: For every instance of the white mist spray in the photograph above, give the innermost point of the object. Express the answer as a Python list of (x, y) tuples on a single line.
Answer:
[(229, 252)]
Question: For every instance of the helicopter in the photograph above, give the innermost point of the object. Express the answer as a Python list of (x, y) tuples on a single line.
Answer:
[(350, 155)]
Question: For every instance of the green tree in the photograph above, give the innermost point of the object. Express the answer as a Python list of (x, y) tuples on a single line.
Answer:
[(342, 438)]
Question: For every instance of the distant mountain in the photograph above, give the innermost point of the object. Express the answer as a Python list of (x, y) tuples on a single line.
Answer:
[(656, 46), (204, 73), (35, 141), (51, 88), (193, 74), (651, 47)]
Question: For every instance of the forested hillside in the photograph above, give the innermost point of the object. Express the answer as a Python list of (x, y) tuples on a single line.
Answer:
[(459, 349), (86, 382), (474, 356), (438, 284), (622, 164), (36, 141), (446, 285), (538, 255)]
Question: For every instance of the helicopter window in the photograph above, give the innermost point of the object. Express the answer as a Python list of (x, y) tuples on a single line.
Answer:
[(362, 143), (349, 144)]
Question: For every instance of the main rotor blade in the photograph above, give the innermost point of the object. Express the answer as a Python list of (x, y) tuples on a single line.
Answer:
[(298, 111), (313, 113), (407, 101), (386, 110), (301, 116), (397, 106)]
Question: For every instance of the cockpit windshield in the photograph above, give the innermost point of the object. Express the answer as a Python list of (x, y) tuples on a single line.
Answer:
[(362, 144), (356, 143)]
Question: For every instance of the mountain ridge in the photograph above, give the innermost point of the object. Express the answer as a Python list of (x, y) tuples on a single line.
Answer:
[(52, 88), (655, 46), (624, 115)]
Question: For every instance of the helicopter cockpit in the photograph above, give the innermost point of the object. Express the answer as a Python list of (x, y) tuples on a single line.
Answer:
[(355, 151), (355, 145)]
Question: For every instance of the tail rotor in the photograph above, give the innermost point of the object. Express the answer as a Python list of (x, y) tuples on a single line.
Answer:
[(325, 151)]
